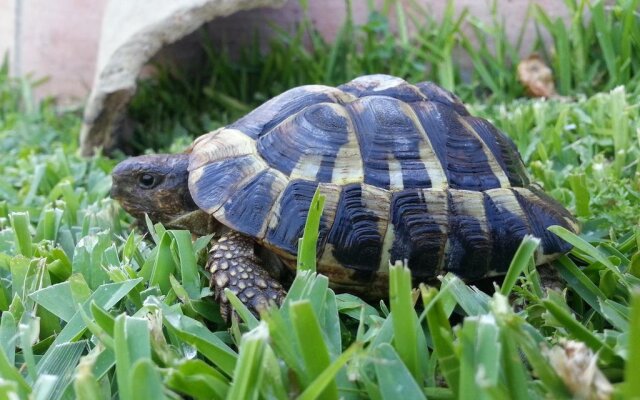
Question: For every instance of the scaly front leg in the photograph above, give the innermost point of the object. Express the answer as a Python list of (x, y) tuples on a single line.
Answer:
[(233, 264)]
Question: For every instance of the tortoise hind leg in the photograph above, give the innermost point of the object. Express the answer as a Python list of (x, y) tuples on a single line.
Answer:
[(234, 265)]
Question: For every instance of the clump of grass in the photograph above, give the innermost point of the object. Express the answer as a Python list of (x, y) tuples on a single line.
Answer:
[(582, 152), (597, 51)]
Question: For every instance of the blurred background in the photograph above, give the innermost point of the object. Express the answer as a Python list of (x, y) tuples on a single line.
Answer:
[(60, 40)]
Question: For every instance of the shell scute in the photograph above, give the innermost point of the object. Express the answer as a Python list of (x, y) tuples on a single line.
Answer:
[(503, 149), (273, 112), (469, 248), (286, 225), (507, 225), (248, 208), (395, 150), (358, 229), (383, 85), (211, 185), (465, 158), (418, 229), (306, 145), (435, 93)]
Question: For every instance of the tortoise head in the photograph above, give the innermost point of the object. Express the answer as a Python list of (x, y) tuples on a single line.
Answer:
[(156, 185)]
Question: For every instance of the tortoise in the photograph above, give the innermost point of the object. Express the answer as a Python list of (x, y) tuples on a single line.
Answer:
[(408, 174)]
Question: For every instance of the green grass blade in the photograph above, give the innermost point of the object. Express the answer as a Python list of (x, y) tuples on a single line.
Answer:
[(579, 282), (405, 340), (632, 383), (57, 299), (602, 26), (61, 363), (514, 370), (132, 344), (316, 388), (519, 263), (190, 277), (8, 332), (394, 378), (583, 245), (163, 265), (43, 387), (442, 337), (26, 330), (274, 386), (196, 334), (146, 382), (242, 310), (283, 340), (331, 324), (472, 300), (579, 331), (199, 380), (616, 314), (20, 224), (315, 354), (247, 376), (307, 244), (85, 384), (480, 356), (105, 320), (9, 372), (106, 296), (48, 225), (88, 258), (578, 184)]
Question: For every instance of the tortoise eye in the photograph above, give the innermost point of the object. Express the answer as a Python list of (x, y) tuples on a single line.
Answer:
[(146, 181)]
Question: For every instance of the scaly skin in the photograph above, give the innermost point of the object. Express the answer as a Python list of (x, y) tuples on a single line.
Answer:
[(233, 264), (232, 261)]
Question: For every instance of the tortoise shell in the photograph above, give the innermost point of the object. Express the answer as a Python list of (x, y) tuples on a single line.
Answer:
[(407, 172)]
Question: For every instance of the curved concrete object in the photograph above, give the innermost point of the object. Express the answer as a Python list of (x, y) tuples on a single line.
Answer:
[(132, 32)]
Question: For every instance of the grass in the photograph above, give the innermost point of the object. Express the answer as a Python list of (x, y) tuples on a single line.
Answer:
[(91, 309), (589, 56)]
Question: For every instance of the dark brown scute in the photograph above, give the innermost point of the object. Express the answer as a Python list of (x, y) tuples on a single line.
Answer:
[(460, 152)]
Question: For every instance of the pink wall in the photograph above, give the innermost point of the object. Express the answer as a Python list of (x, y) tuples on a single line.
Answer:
[(58, 39)]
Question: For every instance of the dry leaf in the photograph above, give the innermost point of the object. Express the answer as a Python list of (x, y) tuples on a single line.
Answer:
[(536, 77)]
